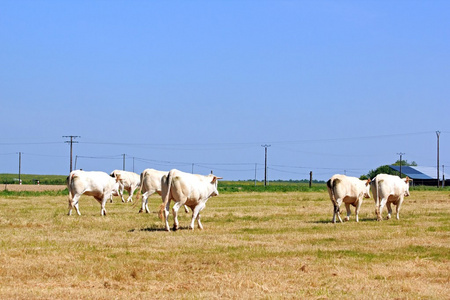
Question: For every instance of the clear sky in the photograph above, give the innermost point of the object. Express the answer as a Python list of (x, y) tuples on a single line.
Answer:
[(331, 86)]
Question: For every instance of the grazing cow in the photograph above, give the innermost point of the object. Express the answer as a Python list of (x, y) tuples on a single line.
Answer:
[(387, 190), (350, 190), (129, 181), (100, 185), (186, 189)]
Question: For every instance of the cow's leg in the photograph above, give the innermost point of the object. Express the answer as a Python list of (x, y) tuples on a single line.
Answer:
[(175, 209), (196, 215), (397, 210), (74, 203), (200, 226), (131, 193), (380, 209), (186, 209), (104, 200), (70, 207), (145, 202), (347, 208), (166, 216), (337, 211), (357, 208), (120, 190), (389, 209)]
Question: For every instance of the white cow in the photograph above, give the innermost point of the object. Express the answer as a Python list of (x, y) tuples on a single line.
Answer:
[(186, 189), (350, 190), (129, 181), (100, 185), (387, 189)]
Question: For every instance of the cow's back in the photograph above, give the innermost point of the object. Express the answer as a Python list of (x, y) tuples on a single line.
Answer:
[(151, 180), (93, 182)]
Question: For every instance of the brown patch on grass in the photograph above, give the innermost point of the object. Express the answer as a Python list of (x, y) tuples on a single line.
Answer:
[(32, 187)]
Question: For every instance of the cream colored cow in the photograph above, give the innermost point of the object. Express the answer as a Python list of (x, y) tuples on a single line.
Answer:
[(128, 181), (100, 185), (192, 190), (387, 190), (350, 190)]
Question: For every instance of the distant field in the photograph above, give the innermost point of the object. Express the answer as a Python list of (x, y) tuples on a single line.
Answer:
[(267, 245), (32, 179)]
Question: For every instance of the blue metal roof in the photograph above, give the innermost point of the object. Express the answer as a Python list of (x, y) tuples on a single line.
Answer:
[(416, 172)]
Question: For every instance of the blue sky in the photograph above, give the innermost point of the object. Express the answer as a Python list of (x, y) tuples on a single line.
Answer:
[(331, 86)]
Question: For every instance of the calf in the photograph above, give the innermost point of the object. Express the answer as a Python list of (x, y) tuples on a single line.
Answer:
[(349, 190)]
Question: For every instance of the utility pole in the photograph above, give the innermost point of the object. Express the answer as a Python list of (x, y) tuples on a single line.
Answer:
[(265, 163), (438, 133), (71, 142), (20, 166), (443, 176), (401, 154), (123, 162)]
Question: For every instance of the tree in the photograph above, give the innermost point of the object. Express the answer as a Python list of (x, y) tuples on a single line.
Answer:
[(382, 169), (404, 163)]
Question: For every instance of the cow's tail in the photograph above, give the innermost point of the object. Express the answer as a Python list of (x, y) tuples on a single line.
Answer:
[(331, 184), (330, 190), (70, 186), (166, 196), (69, 183), (139, 192), (377, 199)]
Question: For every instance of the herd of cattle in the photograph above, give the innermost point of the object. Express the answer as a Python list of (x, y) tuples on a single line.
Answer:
[(193, 190), (188, 190)]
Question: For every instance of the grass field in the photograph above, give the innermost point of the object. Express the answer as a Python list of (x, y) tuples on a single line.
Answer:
[(268, 245)]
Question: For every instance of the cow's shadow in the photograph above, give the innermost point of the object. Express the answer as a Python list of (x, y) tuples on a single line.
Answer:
[(337, 221), (158, 228)]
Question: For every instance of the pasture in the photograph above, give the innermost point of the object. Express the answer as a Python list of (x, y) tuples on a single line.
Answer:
[(255, 245)]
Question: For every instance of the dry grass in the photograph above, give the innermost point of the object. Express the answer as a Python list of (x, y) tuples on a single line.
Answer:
[(32, 187), (255, 245)]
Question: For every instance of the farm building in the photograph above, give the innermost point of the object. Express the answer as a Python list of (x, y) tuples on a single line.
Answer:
[(423, 175)]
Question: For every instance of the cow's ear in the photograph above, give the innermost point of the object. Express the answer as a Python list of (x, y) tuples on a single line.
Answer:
[(216, 178), (368, 181)]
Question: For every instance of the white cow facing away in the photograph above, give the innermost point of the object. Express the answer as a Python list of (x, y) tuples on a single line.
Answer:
[(387, 190), (150, 184), (350, 190), (100, 185), (128, 181), (192, 190)]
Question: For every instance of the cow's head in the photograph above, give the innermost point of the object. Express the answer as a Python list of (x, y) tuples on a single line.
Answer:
[(407, 180), (367, 189), (214, 181)]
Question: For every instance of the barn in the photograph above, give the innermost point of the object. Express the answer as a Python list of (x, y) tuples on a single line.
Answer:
[(423, 175)]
